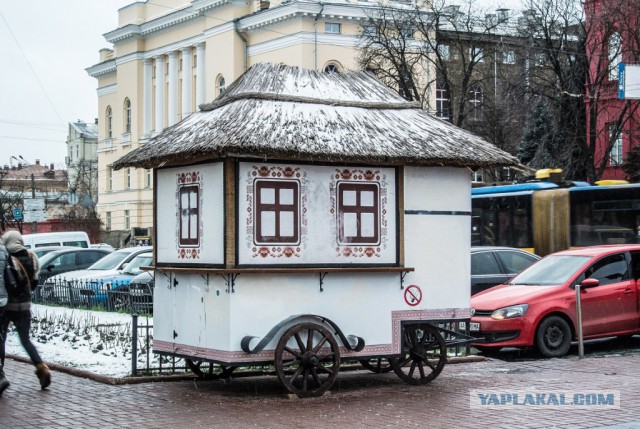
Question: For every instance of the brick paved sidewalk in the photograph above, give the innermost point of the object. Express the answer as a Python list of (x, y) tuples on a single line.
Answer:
[(357, 399)]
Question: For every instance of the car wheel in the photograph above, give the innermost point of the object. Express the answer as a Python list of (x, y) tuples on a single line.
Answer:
[(553, 337)]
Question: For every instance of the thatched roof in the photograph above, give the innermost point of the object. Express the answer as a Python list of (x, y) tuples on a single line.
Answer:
[(282, 112)]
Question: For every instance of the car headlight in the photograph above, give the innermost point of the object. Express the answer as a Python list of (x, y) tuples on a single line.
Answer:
[(510, 312)]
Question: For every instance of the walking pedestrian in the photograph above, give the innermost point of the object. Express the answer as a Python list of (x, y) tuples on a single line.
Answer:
[(18, 309), (4, 298)]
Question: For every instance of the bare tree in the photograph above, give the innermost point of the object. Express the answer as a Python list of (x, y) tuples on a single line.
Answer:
[(571, 62), (456, 51), (11, 197)]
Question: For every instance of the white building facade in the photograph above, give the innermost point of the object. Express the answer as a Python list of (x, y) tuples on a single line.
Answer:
[(169, 57)]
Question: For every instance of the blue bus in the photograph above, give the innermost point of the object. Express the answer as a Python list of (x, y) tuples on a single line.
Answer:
[(546, 217)]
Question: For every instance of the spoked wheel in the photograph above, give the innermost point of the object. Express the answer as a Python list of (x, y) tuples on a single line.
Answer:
[(423, 356), (307, 360), (379, 365), (203, 369)]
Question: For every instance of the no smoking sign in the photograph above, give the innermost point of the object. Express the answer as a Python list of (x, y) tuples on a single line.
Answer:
[(412, 295)]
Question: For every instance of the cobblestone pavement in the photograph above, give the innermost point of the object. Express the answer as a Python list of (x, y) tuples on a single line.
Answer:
[(357, 399)]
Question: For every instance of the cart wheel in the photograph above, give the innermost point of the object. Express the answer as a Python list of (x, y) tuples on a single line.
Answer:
[(304, 363), (204, 369), (379, 365), (424, 350)]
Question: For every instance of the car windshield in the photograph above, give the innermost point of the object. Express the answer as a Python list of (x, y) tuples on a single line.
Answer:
[(111, 261), (552, 270), (133, 267)]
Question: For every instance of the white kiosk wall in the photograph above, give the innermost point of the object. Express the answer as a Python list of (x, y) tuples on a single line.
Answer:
[(296, 214), (190, 215)]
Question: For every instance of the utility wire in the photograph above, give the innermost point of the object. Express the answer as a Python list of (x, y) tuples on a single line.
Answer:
[(31, 68)]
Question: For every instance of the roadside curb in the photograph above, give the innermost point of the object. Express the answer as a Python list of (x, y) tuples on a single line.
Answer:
[(186, 377)]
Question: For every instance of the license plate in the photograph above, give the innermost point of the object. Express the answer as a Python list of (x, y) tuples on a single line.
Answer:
[(474, 326)]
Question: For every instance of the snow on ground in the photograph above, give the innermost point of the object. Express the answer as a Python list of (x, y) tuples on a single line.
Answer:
[(94, 341)]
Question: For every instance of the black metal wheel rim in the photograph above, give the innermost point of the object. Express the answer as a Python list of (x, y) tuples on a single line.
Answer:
[(307, 360), (424, 354)]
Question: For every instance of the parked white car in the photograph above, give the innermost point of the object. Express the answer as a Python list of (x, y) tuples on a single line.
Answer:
[(110, 264)]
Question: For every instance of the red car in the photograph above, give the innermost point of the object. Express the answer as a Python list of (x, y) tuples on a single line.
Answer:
[(537, 308)]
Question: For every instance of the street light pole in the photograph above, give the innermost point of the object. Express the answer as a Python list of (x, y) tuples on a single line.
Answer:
[(34, 225)]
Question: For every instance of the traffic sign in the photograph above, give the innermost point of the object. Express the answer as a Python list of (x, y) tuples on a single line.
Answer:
[(17, 213), (35, 216), (413, 295), (33, 204)]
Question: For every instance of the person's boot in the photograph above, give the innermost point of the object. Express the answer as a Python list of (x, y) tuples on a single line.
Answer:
[(4, 383), (44, 375)]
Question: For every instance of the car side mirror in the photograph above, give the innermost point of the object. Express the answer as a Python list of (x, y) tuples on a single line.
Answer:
[(591, 282), (50, 267)]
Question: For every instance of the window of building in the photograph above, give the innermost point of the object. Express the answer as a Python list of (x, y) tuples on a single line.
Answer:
[(277, 212), (127, 220), (109, 123), (180, 64), (358, 213), (128, 178), (478, 176), (476, 54), (109, 178), (476, 98), (445, 52), (331, 68), (407, 32), (442, 100), (541, 59), (127, 115), (332, 27), (107, 221), (615, 138), (149, 177), (221, 85), (508, 57), (195, 60), (615, 54), (78, 152), (189, 215), (370, 31)]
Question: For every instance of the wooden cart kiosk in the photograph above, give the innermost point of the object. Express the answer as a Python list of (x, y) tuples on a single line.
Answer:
[(303, 219)]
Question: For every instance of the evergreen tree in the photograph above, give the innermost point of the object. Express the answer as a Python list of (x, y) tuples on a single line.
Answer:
[(536, 137), (631, 165)]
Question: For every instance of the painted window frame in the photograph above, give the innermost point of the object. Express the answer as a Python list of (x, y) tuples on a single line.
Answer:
[(188, 213), (615, 136), (443, 101), (358, 209), (614, 55), (109, 123), (476, 102), (509, 57), (333, 27), (278, 208), (127, 115)]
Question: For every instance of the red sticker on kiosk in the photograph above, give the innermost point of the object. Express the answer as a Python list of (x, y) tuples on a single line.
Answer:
[(412, 295)]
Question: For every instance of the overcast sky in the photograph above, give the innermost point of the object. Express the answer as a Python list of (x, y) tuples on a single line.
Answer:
[(45, 47)]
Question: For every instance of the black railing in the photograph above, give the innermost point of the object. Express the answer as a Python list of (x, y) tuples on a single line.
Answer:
[(96, 294), (141, 351)]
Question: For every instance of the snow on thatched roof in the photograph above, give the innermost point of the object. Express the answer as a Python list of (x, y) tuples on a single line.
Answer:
[(282, 112)]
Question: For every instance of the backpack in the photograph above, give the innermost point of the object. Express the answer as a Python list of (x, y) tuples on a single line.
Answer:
[(9, 282), (16, 274)]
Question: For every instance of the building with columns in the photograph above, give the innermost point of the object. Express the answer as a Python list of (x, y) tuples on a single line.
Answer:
[(170, 56)]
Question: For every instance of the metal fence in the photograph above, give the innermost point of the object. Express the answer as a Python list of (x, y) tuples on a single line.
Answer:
[(138, 300), (96, 294)]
